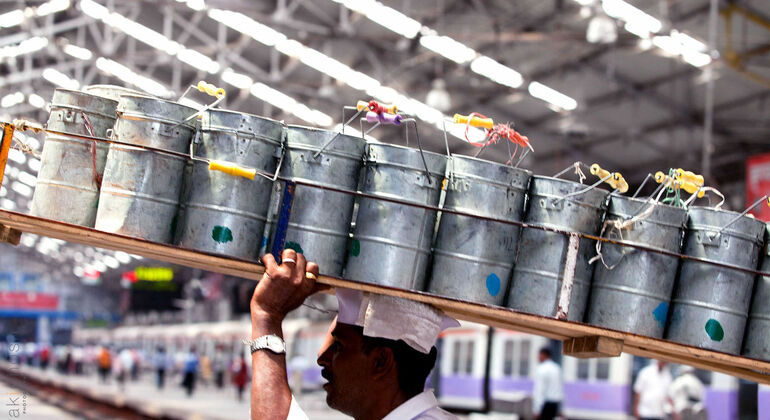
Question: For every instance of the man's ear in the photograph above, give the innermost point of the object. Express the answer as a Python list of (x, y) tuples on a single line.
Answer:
[(382, 362)]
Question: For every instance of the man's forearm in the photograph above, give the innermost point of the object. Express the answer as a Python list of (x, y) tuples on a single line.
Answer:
[(270, 394)]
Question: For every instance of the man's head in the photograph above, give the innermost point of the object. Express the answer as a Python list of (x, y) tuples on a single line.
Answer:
[(544, 354), (661, 365), (362, 370)]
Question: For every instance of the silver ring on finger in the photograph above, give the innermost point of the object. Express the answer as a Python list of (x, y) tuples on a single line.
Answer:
[(286, 260)]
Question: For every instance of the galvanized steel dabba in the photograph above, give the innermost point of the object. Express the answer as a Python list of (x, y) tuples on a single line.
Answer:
[(391, 242), (473, 258), (140, 191), (67, 186), (632, 292), (757, 341), (319, 225), (539, 269), (222, 213), (710, 304)]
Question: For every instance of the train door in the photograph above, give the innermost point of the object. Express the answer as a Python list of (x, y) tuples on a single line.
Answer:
[(597, 388), (513, 363), (462, 367)]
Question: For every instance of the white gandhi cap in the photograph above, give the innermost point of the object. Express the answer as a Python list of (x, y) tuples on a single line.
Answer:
[(417, 324)]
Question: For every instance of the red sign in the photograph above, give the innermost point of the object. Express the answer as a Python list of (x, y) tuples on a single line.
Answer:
[(758, 184), (28, 300)]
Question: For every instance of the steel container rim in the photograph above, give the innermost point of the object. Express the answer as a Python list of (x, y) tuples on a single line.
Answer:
[(346, 154), (137, 114), (419, 168), (612, 212), (694, 227), (116, 88), (550, 179), (79, 108), (486, 180), (206, 125)]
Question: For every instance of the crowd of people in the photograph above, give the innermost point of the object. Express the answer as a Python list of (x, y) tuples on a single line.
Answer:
[(189, 368)]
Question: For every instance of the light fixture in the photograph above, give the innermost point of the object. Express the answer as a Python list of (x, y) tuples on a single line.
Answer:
[(36, 100), (27, 46), (198, 60), (52, 7), (129, 76), (447, 47), (497, 72), (111, 261), (27, 178), (78, 52), (22, 189), (60, 79), (17, 156), (34, 163), (552, 96), (123, 257), (12, 18), (635, 18), (8, 204), (247, 26), (438, 97), (241, 81), (12, 99), (601, 30)]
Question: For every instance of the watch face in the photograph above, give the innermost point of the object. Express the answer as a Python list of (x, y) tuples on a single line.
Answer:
[(275, 344)]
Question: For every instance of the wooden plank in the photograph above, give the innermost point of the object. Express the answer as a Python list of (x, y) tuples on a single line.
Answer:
[(592, 346), (10, 235), (751, 369)]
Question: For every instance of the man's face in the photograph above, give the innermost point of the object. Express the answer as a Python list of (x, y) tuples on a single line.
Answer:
[(541, 357), (345, 367)]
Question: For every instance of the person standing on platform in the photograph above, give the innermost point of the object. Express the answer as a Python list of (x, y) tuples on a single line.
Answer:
[(687, 394), (549, 389), (105, 364), (240, 375), (651, 391), (219, 365), (160, 362), (190, 371)]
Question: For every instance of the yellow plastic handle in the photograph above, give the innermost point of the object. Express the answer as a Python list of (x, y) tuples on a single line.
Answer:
[(616, 181), (361, 105), (688, 176), (232, 169), (475, 121), (210, 89), (690, 187), (768, 201)]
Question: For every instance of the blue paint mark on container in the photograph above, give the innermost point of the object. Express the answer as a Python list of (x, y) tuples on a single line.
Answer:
[(660, 313), (493, 284)]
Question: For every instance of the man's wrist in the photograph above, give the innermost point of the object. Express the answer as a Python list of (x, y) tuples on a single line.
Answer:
[(265, 323)]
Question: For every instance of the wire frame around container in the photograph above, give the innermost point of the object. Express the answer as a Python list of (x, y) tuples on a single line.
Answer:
[(473, 258), (545, 258), (710, 304)]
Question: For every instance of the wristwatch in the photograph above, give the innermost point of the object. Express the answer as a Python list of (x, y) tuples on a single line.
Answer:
[(271, 342)]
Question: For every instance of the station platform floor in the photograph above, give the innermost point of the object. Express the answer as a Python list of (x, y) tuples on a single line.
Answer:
[(206, 403), (29, 406)]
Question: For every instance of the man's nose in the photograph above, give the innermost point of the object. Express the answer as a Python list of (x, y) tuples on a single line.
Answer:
[(324, 353)]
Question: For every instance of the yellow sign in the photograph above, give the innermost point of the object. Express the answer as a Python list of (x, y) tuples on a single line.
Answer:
[(159, 274)]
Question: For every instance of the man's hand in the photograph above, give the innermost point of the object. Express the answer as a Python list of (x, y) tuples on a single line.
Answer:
[(283, 287)]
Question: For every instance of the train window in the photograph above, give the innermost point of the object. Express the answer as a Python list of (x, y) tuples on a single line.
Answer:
[(602, 369), (508, 358), (524, 358), (469, 357), (582, 369), (456, 357)]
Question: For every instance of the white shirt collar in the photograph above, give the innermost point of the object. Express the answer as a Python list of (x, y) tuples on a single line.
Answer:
[(414, 406)]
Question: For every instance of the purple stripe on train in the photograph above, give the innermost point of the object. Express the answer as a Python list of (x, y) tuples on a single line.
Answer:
[(600, 396), (461, 386), (763, 403), (722, 404)]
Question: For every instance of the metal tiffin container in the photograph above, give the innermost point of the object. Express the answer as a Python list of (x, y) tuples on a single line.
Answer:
[(141, 188), (710, 304), (545, 258), (222, 213), (319, 223), (473, 258), (391, 241), (71, 169), (631, 288), (756, 343)]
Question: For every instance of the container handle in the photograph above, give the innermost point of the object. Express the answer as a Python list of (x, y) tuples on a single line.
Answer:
[(208, 88), (615, 179), (584, 190), (750, 208), (576, 166)]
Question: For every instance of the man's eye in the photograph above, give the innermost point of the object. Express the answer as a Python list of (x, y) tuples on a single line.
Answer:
[(337, 345)]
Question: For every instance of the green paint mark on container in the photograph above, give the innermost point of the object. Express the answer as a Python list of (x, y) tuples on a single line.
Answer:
[(714, 330), (222, 234), (295, 246), (355, 247)]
